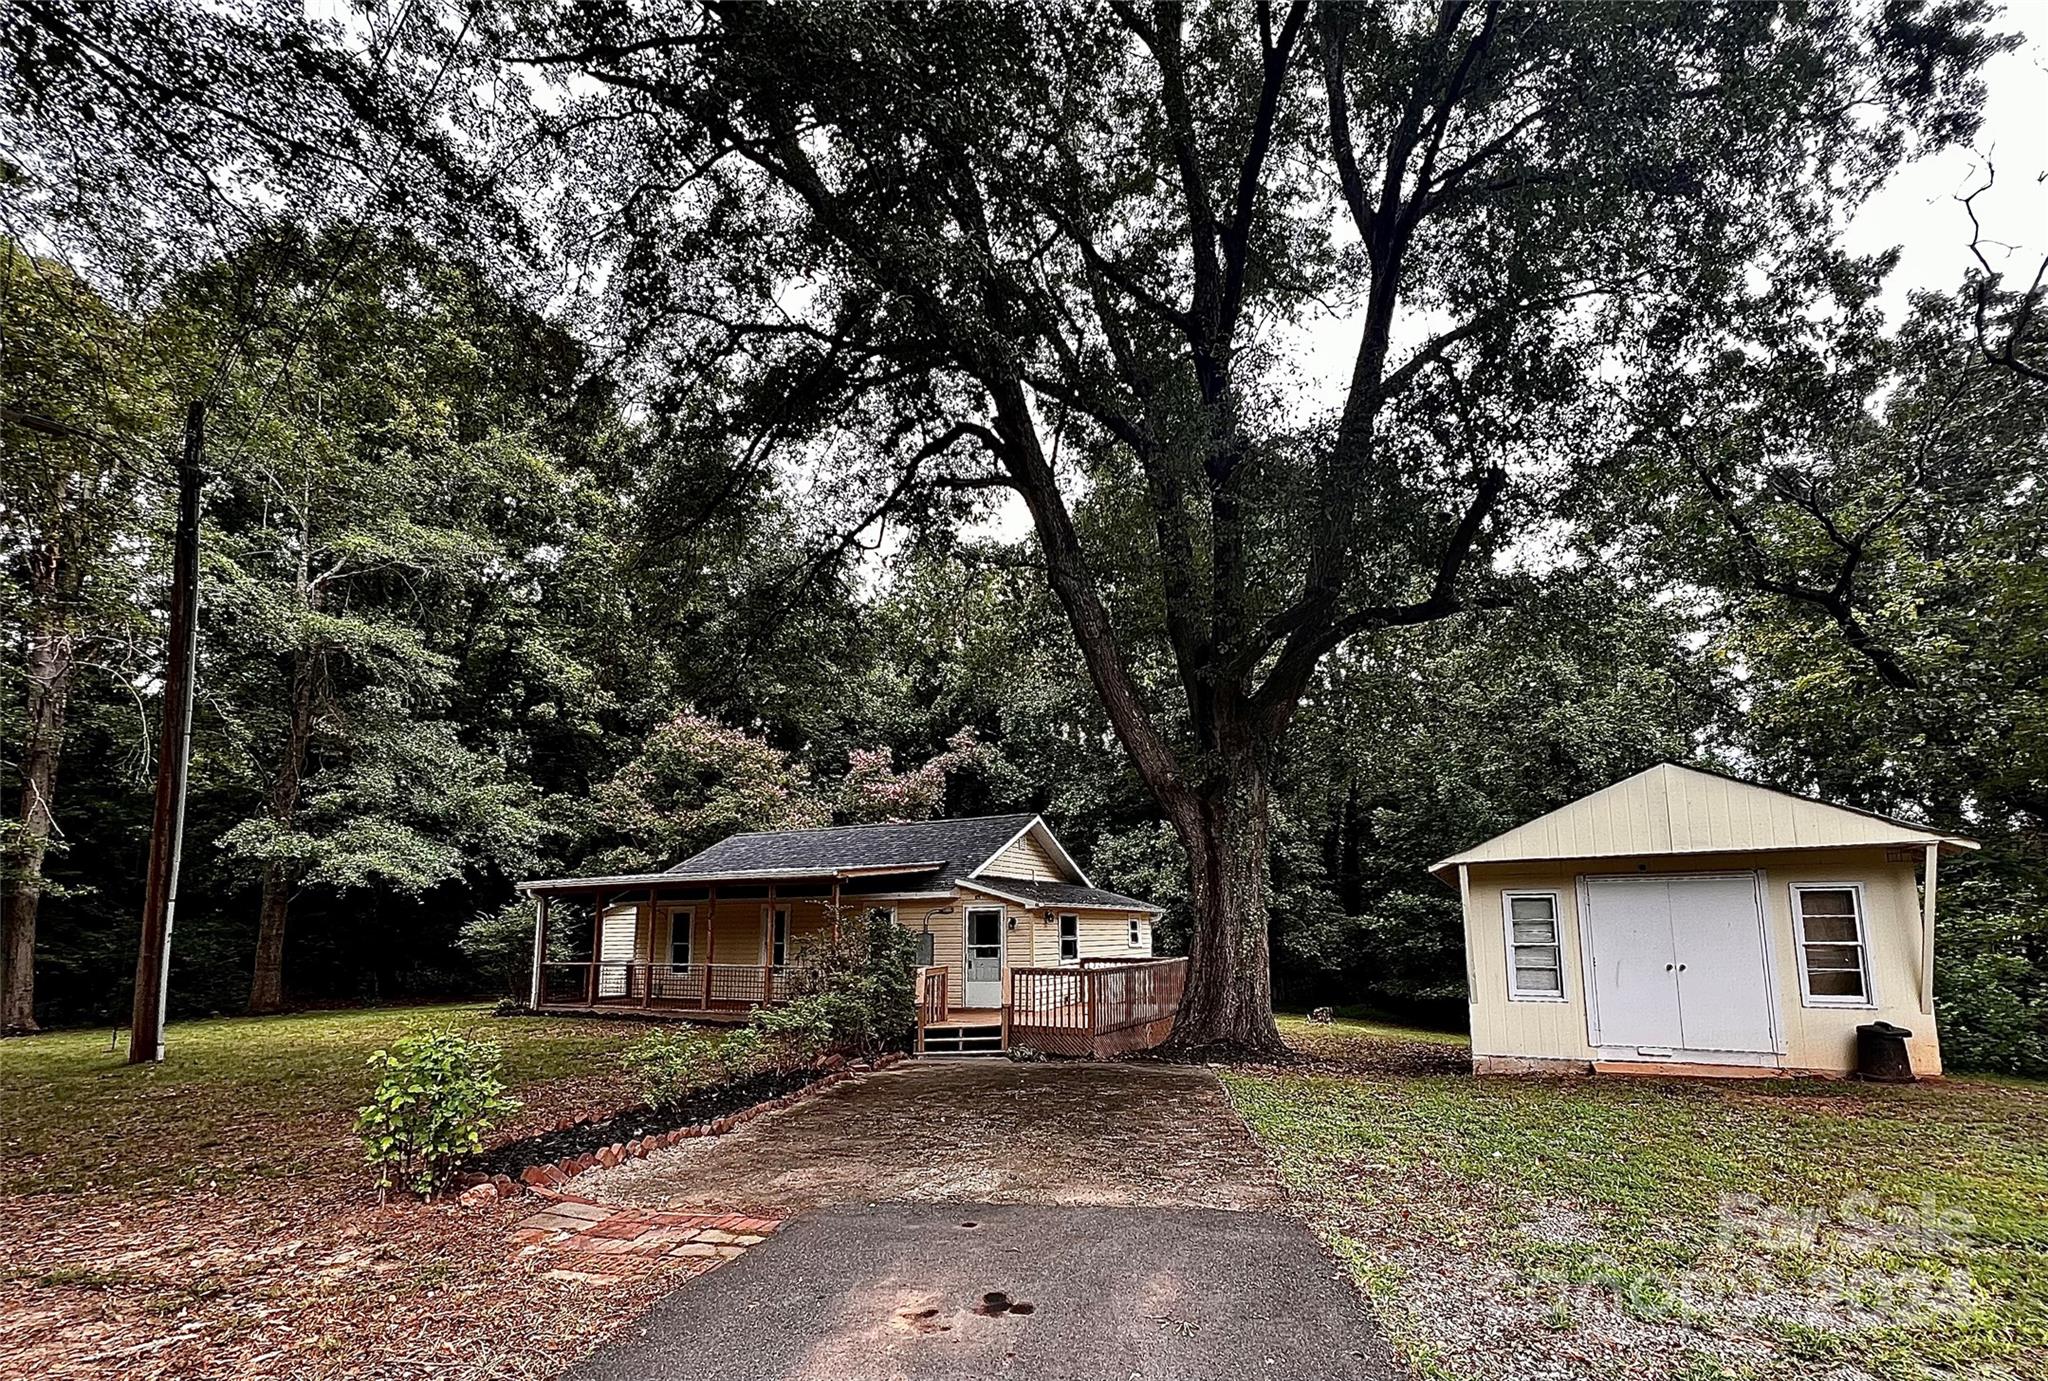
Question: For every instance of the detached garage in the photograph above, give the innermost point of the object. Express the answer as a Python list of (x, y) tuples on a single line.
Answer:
[(1682, 919)]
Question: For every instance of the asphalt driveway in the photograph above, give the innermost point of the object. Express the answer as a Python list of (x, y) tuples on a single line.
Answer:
[(928, 1292), (955, 1220)]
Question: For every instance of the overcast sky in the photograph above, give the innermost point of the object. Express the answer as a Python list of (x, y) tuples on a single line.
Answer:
[(1917, 210)]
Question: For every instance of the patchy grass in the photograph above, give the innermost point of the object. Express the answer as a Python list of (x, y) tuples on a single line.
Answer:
[(212, 1216), (1523, 1227), (245, 1097)]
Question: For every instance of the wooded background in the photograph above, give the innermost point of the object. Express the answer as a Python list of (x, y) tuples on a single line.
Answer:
[(488, 593)]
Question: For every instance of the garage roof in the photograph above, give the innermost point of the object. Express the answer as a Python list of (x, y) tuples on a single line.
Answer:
[(1672, 809)]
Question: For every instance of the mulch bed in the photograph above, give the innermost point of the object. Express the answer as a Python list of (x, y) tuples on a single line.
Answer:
[(587, 1137)]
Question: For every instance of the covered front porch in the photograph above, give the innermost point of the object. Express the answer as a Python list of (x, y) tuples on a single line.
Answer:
[(696, 947), (716, 948)]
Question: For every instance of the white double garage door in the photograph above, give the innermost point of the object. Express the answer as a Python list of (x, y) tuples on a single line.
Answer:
[(1679, 964)]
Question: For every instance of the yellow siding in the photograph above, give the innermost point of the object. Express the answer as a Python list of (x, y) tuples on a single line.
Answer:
[(1025, 857), (1821, 1038), (1103, 935), (729, 931), (1672, 809), (733, 927)]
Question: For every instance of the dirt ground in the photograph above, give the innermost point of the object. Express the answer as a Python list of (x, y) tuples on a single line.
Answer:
[(983, 1131)]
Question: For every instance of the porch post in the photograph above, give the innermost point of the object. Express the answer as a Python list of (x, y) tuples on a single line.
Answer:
[(540, 945), (1927, 931), (710, 943), (835, 906), (596, 952), (653, 914)]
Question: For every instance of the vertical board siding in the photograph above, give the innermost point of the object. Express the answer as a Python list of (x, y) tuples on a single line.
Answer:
[(1671, 809)]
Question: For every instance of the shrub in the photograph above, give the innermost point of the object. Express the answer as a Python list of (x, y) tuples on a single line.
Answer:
[(437, 1093), (1991, 987), (797, 1033), (669, 1066), (860, 985), (500, 945)]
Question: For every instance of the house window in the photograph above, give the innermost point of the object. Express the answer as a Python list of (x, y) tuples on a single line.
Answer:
[(1134, 932), (1070, 938), (1834, 962), (681, 922), (778, 936), (1535, 951)]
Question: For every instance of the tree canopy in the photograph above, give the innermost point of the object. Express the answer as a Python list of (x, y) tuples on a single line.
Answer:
[(638, 423)]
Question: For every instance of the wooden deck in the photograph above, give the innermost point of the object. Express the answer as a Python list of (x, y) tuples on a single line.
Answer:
[(1098, 1010)]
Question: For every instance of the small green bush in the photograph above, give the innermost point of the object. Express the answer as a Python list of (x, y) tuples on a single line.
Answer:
[(797, 1033), (860, 984), (669, 1066), (437, 1093)]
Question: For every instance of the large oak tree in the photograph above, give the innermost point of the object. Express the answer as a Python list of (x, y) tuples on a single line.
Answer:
[(934, 249)]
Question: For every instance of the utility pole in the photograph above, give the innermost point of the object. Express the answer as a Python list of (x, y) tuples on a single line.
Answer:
[(173, 760)]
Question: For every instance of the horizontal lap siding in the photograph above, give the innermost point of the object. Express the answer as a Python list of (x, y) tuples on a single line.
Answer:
[(1813, 1037), (1545, 1030), (1107, 935), (1670, 809), (1026, 858)]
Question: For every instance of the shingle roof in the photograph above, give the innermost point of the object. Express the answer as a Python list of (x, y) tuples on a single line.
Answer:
[(957, 846), (1059, 894)]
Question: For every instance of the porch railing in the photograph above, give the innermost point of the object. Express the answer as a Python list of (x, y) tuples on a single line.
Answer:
[(931, 994), (619, 983), (1102, 1008)]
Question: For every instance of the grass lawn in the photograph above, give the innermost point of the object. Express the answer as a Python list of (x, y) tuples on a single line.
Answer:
[(1693, 1229), (212, 1216), (247, 1096)]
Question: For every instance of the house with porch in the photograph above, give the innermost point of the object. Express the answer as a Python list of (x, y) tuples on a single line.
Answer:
[(1016, 944)]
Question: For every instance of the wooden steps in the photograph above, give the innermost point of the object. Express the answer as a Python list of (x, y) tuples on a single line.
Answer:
[(964, 1038)]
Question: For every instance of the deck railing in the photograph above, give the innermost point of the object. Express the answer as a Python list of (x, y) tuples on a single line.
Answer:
[(1099, 1008), (707, 987), (931, 994)]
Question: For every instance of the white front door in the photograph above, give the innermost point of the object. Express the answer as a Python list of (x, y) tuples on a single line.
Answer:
[(981, 975), (1679, 964)]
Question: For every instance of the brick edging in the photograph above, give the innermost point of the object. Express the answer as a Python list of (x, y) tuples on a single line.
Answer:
[(547, 1178)]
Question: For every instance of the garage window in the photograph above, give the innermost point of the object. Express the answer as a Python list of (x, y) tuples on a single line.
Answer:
[(1535, 952), (1834, 961)]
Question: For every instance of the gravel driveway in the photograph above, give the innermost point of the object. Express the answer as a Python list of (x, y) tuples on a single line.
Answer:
[(960, 1219), (982, 1131)]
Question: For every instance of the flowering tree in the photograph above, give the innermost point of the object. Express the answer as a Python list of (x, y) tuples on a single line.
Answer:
[(694, 782), (874, 792)]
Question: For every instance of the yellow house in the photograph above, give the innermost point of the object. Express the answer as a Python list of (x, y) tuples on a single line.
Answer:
[(990, 898), (1687, 920)]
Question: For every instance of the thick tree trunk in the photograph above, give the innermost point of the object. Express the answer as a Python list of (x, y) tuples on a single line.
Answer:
[(266, 987), (266, 984), (1228, 1006), (52, 657)]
